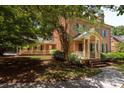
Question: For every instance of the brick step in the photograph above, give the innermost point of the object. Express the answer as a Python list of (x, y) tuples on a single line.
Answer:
[(100, 65)]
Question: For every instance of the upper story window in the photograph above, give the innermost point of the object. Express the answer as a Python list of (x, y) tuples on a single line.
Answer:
[(97, 30), (80, 27), (104, 33)]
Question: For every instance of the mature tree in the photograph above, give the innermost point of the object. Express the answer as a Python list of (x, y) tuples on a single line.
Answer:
[(19, 24), (120, 47), (119, 30), (16, 27), (51, 16)]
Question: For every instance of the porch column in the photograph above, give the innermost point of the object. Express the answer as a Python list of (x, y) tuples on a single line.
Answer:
[(74, 47), (32, 50), (37, 48), (84, 49), (99, 48), (95, 49), (44, 48), (88, 48), (19, 52)]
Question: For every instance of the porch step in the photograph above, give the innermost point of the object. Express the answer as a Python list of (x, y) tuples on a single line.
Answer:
[(100, 65), (97, 63)]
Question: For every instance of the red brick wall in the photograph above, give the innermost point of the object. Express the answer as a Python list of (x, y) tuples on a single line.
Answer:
[(114, 44), (70, 30)]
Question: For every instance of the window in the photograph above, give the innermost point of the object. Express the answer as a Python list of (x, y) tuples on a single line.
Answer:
[(92, 47), (41, 47), (80, 27), (106, 48), (104, 33), (97, 30), (103, 47), (28, 48), (53, 46), (35, 47), (80, 47)]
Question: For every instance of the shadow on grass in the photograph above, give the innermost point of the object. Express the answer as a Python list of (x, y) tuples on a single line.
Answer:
[(20, 69), (30, 70)]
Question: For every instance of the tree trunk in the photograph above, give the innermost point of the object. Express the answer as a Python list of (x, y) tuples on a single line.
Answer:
[(2, 51), (64, 39)]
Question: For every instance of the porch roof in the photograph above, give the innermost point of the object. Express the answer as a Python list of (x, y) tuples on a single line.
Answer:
[(87, 34), (81, 36)]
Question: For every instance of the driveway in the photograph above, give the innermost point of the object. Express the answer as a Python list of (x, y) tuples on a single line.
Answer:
[(109, 78)]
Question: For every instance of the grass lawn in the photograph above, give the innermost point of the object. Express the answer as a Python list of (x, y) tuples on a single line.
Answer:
[(36, 68), (120, 67), (39, 57), (58, 71)]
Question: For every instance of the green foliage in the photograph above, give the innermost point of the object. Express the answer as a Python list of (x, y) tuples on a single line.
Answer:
[(50, 17), (74, 59), (120, 47), (120, 67), (17, 27), (52, 51), (112, 56), (20, 25), (119, 30), (118, 9), (58, 55), (58, 72)]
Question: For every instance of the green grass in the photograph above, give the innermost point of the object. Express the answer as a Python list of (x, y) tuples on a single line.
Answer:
[(34, 68), (59, 71), (39, 57), (120, 67)]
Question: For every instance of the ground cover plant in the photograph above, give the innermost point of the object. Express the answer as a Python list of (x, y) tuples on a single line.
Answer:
[(29, 69)]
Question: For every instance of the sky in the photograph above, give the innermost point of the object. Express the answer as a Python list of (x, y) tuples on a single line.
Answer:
[(111, 18)]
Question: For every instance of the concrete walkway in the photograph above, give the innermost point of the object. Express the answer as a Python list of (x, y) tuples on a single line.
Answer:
[(109, 78)]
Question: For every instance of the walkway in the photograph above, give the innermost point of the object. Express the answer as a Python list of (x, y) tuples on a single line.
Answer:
[(109, 78)]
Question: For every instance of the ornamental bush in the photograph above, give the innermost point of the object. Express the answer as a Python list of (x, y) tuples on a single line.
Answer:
[(58, 55), (74, 59), (112, 56)]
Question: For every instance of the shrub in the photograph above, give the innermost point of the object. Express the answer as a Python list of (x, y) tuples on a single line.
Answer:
[(74, 59), (58, 55), (120, 47), (52, 51), (112, 56)]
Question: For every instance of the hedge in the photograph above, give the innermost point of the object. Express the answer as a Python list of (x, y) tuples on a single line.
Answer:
[(112, 56)]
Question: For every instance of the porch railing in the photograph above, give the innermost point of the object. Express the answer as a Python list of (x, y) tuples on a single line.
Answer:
[(80, 54)]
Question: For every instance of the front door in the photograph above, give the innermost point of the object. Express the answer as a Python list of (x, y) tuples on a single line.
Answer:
[(92, 50)]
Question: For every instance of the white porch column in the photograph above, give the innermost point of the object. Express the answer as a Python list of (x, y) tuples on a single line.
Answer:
[(17, 50), (84, 49), (88, 48), (95, 49), (99, 48), (32, 50)]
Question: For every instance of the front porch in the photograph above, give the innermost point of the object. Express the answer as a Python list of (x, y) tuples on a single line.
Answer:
[(87, 46)]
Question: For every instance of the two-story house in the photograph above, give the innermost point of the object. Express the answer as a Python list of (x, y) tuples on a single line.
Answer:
[(88, 40)]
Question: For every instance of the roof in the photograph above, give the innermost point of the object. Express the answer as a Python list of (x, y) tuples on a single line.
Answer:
[(119, 38), (86, 34), (45, 41)]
